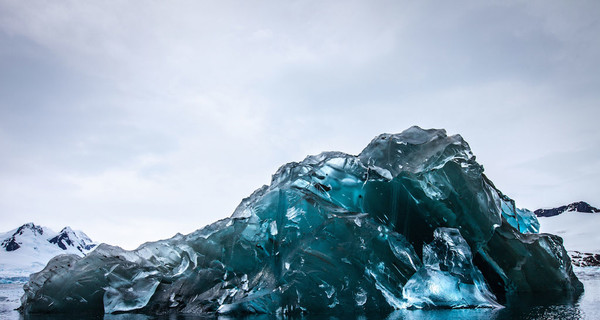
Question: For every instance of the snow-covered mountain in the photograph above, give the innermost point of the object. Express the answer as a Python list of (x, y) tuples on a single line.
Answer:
[(578, 224), (28, 248), (579, 206)]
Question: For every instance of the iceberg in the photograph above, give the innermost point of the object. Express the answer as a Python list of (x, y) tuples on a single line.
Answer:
[(411, 222)]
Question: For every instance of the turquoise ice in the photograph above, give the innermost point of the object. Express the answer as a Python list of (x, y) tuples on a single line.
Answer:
[(332, 233)]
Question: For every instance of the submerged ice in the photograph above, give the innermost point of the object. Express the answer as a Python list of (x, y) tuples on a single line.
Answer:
[(411, 222)]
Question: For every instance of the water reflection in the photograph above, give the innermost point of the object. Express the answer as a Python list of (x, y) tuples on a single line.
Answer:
[(459, 314), (565, 312)]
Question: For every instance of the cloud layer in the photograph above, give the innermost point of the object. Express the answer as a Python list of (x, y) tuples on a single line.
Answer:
[(135, 121)]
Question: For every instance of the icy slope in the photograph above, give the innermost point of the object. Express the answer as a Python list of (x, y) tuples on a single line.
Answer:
[(28, 249), (579, 230)]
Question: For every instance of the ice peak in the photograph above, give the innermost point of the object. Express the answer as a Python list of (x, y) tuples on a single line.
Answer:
[(417, 150)]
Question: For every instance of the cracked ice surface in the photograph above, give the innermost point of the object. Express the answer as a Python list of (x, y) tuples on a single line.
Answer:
[(411, 215)]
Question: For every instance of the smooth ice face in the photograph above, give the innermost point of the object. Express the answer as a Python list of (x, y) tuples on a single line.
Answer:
[(332, 233), (528, 222), (448, 277), (521, 219)]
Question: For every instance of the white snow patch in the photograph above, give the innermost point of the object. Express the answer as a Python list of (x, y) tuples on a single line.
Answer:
[(580, 231)]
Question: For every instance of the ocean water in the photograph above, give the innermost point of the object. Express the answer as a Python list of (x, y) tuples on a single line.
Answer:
[(586, 307)]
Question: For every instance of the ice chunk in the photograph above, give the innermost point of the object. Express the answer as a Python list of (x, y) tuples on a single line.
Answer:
[(448, 277), (131, 295), (530, 263), (332, 233)]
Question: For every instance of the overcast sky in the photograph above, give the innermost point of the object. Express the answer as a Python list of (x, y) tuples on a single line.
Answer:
[(135, 120)]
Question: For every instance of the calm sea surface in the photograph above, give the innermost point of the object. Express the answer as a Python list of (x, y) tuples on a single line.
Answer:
[(586, 307)]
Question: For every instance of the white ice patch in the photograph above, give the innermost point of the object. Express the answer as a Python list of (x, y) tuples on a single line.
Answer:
[(273, 228)]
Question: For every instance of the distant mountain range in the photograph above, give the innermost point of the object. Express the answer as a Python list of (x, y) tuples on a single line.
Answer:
[(578, 225), (28, 248), (580, 206)]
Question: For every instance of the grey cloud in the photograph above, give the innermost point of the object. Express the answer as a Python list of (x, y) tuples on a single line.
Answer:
[(129, 112)]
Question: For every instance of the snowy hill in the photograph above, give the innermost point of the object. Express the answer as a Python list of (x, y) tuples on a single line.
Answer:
[(580, 206), (578, 226), (28, 248)]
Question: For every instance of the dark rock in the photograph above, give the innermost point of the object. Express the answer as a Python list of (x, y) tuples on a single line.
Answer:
[(580, 206), (584, 259)]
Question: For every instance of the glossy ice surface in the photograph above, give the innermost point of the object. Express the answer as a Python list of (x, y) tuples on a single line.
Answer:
[(586, 307), (381, 231), (448, 278)]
